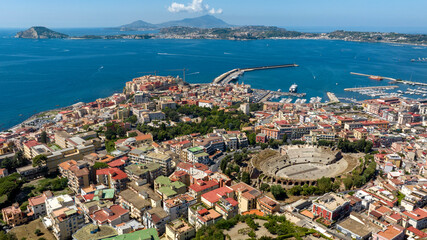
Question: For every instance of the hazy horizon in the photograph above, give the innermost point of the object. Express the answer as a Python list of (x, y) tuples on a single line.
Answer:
[(362, 14)]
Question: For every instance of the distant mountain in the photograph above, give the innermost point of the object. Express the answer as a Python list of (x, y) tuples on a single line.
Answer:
[(40, 33), (137, 25), (206, 21)]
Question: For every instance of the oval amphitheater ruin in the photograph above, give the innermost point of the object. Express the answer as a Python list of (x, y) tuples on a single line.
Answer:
[(302, 164)]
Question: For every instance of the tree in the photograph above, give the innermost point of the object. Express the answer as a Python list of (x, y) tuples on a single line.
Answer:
[(43, 137), (252, 138), (348, 183), (285, 138), (39, 160), (132, 134), (100, 165), (238, 158), (246, 178), (265, 187), (324, 184), (38, 232), (110, 146), (132, 119), (7, 236), (278, 192), (223, 164)]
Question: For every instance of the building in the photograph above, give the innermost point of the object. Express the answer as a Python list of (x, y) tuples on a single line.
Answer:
[(37, 205), (63, 216), (112, 177), (246, 196), (267, 205), (77, 174), (94, 232), (180, 230), (354, 229), (146, 172), (417, 218), (112, 216), (168, 189), (227, 207), (178, 206), (199, 216), (164, 160), (390, 233), (146, 234), (331, 207), (156, 218), (135, 202), (13, 216), (201, 187), (212, 197)]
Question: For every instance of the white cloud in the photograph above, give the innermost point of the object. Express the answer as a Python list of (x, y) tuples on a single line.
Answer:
[(194, 6)]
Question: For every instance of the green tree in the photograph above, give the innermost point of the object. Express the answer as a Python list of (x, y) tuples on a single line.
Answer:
[(278, 192), (7, 236), (285, 138), (110, 146), (265, 187), (324, 184), (252, 138), (38, 232), (348, 183), (43, 137), (246, 178), (132, 119), (100, 165), (39, 160)]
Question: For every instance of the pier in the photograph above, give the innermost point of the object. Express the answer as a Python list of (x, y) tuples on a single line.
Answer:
[(332, 97), (271, 94), (232, 75), (369, 75), (370, 88), (393, 80)]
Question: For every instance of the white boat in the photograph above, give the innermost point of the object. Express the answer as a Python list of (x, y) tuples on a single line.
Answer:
[(293, 88)]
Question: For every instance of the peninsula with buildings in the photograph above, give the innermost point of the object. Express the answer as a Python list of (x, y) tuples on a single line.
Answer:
[(166, 159), (210, 27)]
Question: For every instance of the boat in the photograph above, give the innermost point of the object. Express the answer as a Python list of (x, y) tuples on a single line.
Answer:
[(378, 78), (293, 88)]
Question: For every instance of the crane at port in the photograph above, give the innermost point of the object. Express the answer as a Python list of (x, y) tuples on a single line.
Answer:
[(184, 70)]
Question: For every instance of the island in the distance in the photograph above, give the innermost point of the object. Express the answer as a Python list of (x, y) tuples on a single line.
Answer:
[(40, 33), (214, 28)]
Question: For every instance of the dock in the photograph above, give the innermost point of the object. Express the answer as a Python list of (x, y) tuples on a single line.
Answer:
[(393, 80), (371, 88), (332, 97), (270, 94), (370, 75), (234, 74)]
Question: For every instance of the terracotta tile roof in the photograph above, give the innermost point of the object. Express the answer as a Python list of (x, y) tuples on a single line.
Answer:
[(109, 214), (417, 214), (115, 173), (214, 195), (37, 200), (202, 185)]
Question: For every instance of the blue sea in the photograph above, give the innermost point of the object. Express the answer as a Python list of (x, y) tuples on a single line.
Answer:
[(38, 75)]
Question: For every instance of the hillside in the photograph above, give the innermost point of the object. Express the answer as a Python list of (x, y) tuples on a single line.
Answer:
[(206, 21), (40, 33), (138, 26)]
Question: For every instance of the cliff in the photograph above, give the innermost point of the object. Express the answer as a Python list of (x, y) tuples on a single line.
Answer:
[(40, 33)]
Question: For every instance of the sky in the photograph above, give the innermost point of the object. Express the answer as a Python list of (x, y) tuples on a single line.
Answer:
[(339, 14)]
